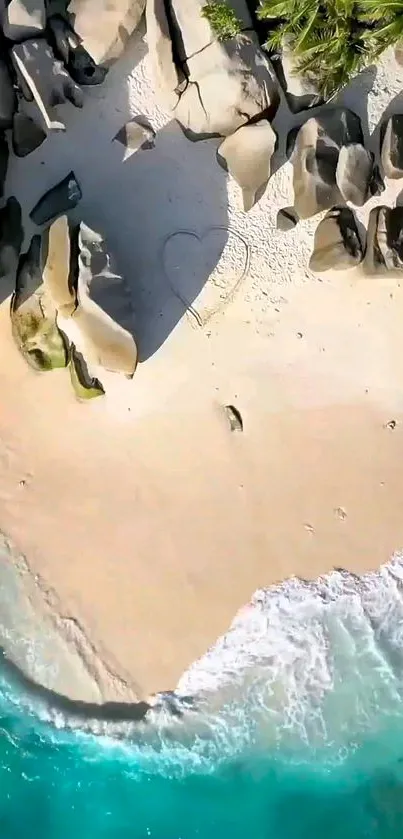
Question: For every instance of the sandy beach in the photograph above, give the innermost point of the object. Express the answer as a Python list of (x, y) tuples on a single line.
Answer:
[(145, 522)]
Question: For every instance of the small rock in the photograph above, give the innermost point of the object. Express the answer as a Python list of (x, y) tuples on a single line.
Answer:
[(57, 201), (104, 27), (337, 243), (391, 425), (354, 173), (234, 418), (56, 257), (384, 253), (27, 135), (135, 135), (44, 80), (315, 153), (340, 513), (11, 237), (80, 65), (24, 19), (287, 219), (392, 147), (84, 386), (247, 156), (33, 317)]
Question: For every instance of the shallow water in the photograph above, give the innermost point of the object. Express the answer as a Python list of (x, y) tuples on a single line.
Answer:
[(296, 730)]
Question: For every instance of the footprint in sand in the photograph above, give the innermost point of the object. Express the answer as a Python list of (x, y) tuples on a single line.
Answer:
[(205, 270)]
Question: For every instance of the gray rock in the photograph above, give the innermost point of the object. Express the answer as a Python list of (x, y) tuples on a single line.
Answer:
[(227, 82), (286, 219), (301, 91), (45, 80), (33, 316), (337, 244), (384, 254), (57, 201), (4, 155), (8, 100), (136, 134), (24, 19), (246, 155), (103, 309), (11, 237), (392, 147), (105, 27), (354, 173), (315, 153), (26, 135), (66, 44)]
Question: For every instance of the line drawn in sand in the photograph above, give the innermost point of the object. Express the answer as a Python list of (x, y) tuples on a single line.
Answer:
[(188, 257)]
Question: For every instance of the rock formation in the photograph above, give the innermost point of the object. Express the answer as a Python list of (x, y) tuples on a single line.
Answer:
[(384, 254), (136, 134), (24, 19), (337, 244), (212, 86), (392, 147), (246, 155), (104, 27), (301, 92), (354, 173)]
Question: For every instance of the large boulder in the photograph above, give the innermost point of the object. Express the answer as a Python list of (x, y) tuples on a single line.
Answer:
[(212, 86), (384, 254), (354, 173), (24, 19), (301, 91), (104, 27), (314, 152), (101, 315), (246, 155), (392, 147), (337, 244)]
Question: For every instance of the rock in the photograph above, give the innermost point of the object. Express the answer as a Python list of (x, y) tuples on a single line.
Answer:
[(8, 101), (84, 386), (66, 44), (56, 258), (234, 418), (227, 82), (377, 185), (4, 155), (101, 313), (26, 135), (337, 244), (11, 237), (384, 254), (301, 91), (33, 317), (136, 134), (57, 201), (315, 153), (24, 19), (45, 80), (354, 173), (392, 147), (287, 219), (104, 27), (399, 53), (247, 156)]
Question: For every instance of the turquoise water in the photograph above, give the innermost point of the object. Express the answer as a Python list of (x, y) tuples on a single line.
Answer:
[(297, 732)]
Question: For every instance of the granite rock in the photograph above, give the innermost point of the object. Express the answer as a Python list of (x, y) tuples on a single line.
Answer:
[(315, 153), (354, 173), (136, 134), (384, 253), (8, 100), (246, 155), (57, 273), (33, 316), (286, 219), (26, 134), (104, 27), (301, 91), (63, 197), (337, 244), (392, 147), (78, 62), (24, 19), (44, 80)]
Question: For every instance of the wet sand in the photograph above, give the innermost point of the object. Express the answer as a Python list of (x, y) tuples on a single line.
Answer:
[(147, 523)]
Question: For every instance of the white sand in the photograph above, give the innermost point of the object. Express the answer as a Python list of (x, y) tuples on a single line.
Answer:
[(145, 520)]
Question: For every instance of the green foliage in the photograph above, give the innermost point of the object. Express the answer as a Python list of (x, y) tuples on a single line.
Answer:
[(222, 18), (333, 39)]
